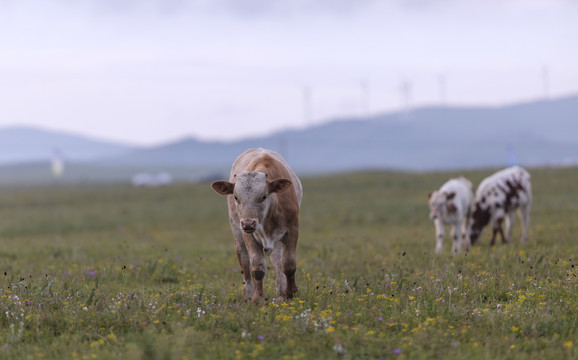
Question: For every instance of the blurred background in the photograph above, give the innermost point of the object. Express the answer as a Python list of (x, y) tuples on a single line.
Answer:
[(154, 92)]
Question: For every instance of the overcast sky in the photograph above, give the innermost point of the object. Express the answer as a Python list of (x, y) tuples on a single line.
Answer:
[(151, 71)]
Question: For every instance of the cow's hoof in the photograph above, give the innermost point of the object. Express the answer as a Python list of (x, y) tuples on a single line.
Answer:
[(291, 293), (257, 299)]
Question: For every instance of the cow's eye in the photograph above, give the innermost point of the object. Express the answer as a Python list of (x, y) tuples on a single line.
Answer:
[(264, 198), (236, 199)]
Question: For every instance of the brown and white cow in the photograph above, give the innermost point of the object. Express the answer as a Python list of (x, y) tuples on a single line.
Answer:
[(264, 195), (450, 205), (497, 197)]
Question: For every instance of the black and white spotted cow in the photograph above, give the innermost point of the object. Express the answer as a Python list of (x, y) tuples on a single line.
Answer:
[(496, 199)]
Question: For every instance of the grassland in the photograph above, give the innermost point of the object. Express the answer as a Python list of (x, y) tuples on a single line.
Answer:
[(127, 273)]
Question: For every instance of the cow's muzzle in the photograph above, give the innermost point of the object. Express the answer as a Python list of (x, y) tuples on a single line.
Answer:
[(248, 225)]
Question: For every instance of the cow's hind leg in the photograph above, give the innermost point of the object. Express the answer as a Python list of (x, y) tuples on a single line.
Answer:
[(524, 212), (290, 262)]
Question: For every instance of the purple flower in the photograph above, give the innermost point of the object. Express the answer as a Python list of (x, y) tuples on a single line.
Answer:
[(397, 351), (380, 319), (261, 337)]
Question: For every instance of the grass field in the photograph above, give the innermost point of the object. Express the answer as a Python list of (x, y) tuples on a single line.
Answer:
[(129, 273)]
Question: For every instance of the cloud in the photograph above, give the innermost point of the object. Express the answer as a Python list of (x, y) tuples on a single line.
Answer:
[(240, 8), (276, 9), (143, 61)]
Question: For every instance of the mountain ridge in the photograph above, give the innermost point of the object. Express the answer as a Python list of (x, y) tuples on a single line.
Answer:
[(25, 143), (535, 133)]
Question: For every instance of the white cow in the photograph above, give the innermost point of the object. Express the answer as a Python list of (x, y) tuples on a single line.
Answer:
[(450, 205), (496, 199)]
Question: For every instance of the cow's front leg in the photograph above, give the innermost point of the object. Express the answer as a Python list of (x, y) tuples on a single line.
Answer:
[(439, 235), (258, 265), (466, 242), (497, 229), (276, 257), (245, 263), (456, 236), (290, 261)]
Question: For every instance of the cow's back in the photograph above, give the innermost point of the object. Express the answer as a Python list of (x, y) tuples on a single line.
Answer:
[(463, 193), (461, 185), (504, 181)]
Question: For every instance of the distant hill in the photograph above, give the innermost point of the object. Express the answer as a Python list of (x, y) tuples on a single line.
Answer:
[(21, 144), (538, 133), (430, 138)]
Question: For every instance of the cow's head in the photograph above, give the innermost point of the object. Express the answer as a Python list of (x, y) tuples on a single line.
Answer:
[(251, 191), (441, 205)]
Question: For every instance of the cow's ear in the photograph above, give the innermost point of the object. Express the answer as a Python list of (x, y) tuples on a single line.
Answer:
[(451, 195), (223, 187), (279, 185), (429, 195)]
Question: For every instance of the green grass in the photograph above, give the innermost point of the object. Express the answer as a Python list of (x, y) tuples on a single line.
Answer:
[(120, 272)]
